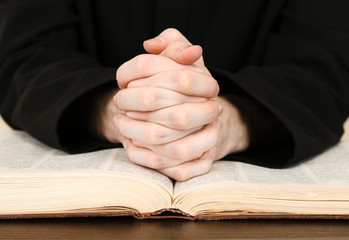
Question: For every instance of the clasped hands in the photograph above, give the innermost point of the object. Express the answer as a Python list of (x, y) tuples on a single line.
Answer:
[(169, 115)]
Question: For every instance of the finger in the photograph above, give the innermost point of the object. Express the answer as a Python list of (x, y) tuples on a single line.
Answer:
[(154, 45), (150, 99), (148, 158), (191, 146), (172, 44), (187, 82), (158, 44), (184, 116), (191, 169), (179, 51), (146, 65), (183, 53), (148, 132)]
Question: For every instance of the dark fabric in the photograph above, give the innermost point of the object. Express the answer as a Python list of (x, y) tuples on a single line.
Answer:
[(288, 59)]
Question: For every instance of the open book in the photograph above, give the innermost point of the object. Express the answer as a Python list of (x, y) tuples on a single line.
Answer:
[(38, 181)]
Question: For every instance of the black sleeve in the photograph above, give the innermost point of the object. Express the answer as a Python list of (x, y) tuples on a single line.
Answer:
[(303, 81), (42, 71)]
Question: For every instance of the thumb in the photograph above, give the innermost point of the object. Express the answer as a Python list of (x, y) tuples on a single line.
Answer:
[(171, 43), (179, 51)]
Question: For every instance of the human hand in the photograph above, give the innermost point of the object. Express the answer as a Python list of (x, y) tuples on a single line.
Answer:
[(171, 137), (102, 110)]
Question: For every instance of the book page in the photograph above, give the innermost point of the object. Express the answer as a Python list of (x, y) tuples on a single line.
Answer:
[(328, 168), (22, 154)]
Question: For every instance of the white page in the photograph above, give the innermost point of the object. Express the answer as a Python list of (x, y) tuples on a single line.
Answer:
[(329, 168), (21, 154)]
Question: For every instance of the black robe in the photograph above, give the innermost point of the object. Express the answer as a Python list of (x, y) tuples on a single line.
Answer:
[(292, 57)]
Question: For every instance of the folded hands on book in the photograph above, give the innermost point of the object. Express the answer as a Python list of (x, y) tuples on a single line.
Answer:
[(170, 116)]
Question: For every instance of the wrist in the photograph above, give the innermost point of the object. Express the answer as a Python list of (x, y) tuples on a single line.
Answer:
[(234, 131), (101, 125)]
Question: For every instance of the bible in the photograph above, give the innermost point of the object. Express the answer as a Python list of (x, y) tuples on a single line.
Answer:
[(38, 181)]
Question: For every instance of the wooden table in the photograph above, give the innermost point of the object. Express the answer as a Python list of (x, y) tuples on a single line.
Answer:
[(128, 228)]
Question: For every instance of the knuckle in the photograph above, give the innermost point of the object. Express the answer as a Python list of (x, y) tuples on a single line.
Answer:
[(141, 64), (173, 33), (181, 151), (217, 88), (154, 161), (132, 157), (122, 130), (119, 76), (183, 81), (148, 99), (150, 134), (206, 167), (214, 87), (155, 135), (181, 119), (118, 99), (180, 174)]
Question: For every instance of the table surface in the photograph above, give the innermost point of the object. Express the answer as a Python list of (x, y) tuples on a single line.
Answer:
[(129, 228)]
